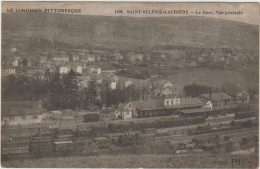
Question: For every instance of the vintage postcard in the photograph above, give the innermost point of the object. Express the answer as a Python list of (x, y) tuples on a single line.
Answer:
[(129, 85)]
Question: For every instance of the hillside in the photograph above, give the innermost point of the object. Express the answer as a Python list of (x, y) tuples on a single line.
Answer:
[(128, 32)]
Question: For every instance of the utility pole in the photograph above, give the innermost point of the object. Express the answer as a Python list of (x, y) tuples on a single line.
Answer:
[(60, 119)]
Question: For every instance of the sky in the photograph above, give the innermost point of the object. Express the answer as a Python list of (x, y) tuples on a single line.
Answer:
[(249, 12)]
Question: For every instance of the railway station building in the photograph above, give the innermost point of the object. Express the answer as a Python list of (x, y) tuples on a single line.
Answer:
[(161, 107)]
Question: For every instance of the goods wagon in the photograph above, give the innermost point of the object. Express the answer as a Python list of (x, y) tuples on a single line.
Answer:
[(62, 146), (244, 123), (127, 139), (39, 145), (242, 115), (91, 117), (206, 140), (249, 141)]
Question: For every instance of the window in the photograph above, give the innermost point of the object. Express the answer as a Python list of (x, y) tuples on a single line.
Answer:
[(23, 117), (35, 116)]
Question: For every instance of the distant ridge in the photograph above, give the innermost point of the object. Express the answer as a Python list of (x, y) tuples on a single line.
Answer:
[(130, 32)]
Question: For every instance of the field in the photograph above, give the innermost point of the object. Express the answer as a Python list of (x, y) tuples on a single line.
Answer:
[(147, 161), (214, 78)]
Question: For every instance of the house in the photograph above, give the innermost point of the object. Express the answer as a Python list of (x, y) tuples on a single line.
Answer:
[(135, 57), (122, 113), (49, 65), (83, 81), (43, 60), (64, 69), (29, 63), (91, 58), (79, 69), (107, 68), (14, 62), (35, 71), (172, 101), (218, 99), (113, 85), (168, 84), (75, 57), (22, 113), (164, 106), (165, 88), (94, 69), (160, 84), (117, 56), (209, 105), (8, 70), (128, 83), (61, 59), (201, 59), (163, 92)]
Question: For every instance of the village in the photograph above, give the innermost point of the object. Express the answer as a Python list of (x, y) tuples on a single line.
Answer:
[(105, 102)]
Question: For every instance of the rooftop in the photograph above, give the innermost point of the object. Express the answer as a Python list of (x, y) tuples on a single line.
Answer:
[(63, 142), (217, 96), (193, 111), (158, 104)]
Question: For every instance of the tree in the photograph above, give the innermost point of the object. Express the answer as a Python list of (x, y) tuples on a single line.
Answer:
[(116, 97), (24, 62), (230, 89), (21, 88), (91, 93), (70, 90), (47, 75), (54, 95), (195, 90)]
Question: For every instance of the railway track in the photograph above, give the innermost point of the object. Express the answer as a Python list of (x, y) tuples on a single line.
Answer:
[(232, 133)]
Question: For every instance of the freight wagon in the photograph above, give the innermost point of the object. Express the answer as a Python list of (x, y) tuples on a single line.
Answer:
[(242, 115), (91, 117), (209, 139), (40, 145), (63, 146)]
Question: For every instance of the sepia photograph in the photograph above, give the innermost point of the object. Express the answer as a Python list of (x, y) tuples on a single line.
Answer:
[(129, 84)]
